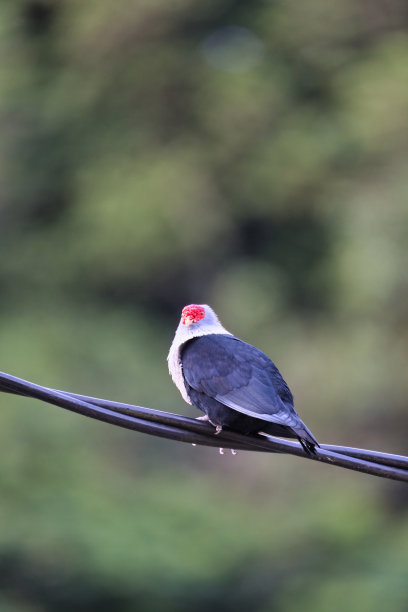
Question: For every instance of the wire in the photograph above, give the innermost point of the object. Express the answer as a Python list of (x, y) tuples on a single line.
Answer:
[(184, 429)]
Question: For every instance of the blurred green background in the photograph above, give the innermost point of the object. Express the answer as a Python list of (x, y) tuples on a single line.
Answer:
[(248, 155)]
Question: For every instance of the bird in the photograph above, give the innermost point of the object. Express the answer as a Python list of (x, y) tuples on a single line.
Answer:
[(233, 383)]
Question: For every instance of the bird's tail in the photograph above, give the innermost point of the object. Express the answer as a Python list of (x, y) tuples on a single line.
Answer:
[(306, 438)]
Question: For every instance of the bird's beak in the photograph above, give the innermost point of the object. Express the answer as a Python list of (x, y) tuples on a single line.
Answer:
[(188, 321)]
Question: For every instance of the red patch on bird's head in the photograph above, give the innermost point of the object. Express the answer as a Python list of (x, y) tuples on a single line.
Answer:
[(192, 314)]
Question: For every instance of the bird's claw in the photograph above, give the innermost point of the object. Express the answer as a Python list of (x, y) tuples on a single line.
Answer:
[(218, 429), (233, 452)]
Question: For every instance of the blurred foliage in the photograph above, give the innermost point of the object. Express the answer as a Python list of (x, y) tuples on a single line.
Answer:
[(248, 155)]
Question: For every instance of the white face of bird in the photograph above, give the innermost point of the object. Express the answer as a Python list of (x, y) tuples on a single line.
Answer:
[(199, 319)]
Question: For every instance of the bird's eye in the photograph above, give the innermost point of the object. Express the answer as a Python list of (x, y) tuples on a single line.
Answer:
[(202, 313)]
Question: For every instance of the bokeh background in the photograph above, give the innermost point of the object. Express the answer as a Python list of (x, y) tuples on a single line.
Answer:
[(250, 155)]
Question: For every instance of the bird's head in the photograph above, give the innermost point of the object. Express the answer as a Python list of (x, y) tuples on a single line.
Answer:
[(197, 319), (192, 314)]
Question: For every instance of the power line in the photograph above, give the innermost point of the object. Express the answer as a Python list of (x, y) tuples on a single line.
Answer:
[(184, 429)]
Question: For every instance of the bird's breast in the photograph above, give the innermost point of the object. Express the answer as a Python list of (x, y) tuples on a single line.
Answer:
[(176, 371)]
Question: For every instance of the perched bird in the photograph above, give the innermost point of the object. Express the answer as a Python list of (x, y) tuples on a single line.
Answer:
[(233, 383)]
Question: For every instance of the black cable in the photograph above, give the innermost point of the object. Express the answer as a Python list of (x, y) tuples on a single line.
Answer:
[(184, 429), (196, 426)]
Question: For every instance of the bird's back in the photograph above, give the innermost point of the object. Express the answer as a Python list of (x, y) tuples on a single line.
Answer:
[(238, 386)]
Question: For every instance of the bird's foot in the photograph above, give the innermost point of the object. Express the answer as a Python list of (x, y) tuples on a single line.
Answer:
[(233, 452), (206, 419)]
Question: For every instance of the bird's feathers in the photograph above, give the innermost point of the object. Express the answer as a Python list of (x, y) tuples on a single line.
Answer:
[(239, 376), (234, 383)]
